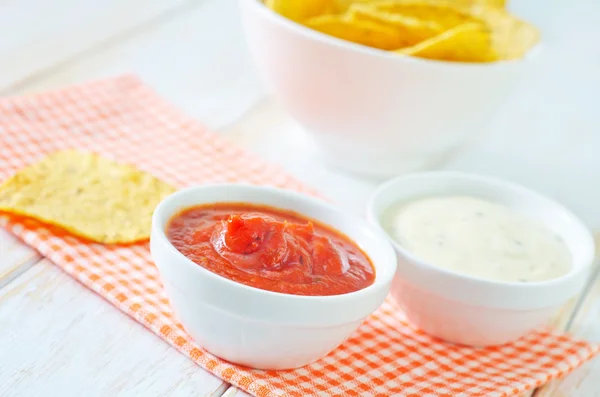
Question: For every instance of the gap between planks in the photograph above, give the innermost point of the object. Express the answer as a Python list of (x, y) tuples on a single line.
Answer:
[(18, 269)]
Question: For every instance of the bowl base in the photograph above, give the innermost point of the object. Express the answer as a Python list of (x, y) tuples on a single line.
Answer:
[(378, 165)]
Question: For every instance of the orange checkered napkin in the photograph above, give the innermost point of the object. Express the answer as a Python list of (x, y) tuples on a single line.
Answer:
[(123, 119)]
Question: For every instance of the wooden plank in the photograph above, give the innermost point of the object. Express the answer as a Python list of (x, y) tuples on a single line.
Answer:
[(198, 61), (43, 34), (584, 323), (583, 382), (55, 335)]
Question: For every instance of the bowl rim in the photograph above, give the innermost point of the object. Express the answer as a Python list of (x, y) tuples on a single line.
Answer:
[(577, 269), (266, 12), (384, 272)]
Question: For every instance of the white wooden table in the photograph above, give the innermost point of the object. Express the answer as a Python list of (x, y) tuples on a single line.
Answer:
[(59, 339)]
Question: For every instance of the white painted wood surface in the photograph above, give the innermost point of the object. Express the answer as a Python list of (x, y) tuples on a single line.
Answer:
[(584, 381), (38, 36), (57, 338), (196, 59), (60, 339)]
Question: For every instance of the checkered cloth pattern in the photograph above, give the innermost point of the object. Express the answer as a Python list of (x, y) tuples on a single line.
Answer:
[(123, 119)]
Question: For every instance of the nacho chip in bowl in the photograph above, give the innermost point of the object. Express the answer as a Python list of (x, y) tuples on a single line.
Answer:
[(432, 29), (367, 33), (470, 42)]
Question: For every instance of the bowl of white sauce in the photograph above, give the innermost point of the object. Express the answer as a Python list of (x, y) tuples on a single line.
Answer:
[(481, 261)]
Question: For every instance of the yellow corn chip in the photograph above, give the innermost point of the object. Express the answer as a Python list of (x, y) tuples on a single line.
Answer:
[(511, 37), (470, 42), (412, 30), (86, 195), (443, 13), (490, 3), (343, 5), (421, 27), (300, 10), (361, 32)]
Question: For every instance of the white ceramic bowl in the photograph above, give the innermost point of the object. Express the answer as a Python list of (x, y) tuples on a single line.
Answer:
[(254, 327), (465, 309), (370, 111)]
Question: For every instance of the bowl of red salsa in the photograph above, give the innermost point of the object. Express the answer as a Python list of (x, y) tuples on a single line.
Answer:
[(266, 277)]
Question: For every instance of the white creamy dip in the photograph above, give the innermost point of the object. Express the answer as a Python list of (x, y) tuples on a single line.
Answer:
[(480, 238)]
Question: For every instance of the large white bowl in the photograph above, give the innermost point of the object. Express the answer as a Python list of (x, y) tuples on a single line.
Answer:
[(469, 310), (370, 111), (254, 327)]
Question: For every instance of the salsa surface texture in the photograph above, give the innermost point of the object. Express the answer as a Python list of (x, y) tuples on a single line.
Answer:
[(270, 249)]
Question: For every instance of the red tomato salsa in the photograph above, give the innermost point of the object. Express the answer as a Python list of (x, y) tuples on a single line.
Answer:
[(270, 249)]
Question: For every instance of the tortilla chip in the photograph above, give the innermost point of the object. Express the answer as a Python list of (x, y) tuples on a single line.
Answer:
[(443, 13), (87, 195), (361, 32), (343, 5), (488, 3), (426, 27), (300, 10), (511, 37), (470, 42), (411, 29)]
